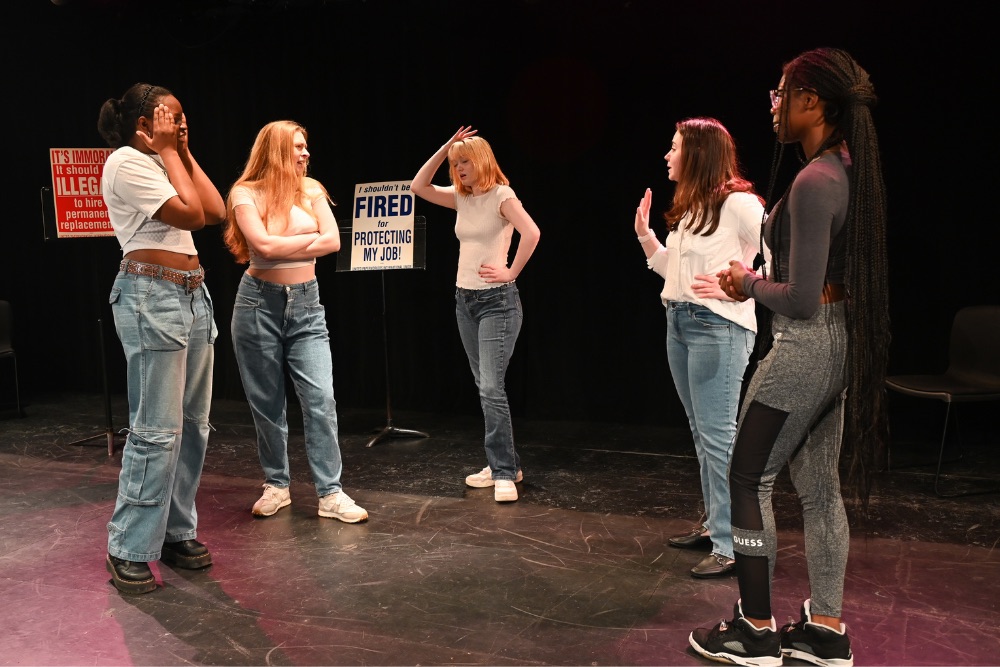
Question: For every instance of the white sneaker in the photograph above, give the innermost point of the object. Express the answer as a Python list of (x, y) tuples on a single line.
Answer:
[(274, 499), (484, 478), (504, 491), (341, 506)]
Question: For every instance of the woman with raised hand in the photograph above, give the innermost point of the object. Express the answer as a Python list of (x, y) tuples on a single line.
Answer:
[(487, 302), (715, 218)]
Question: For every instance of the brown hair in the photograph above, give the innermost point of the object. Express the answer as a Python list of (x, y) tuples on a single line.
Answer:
[(709, 173)]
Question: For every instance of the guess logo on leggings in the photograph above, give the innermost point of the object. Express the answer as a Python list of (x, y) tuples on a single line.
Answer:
[(744, 542)]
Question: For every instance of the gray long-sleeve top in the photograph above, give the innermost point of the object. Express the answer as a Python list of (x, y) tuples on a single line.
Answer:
[(811, 239)]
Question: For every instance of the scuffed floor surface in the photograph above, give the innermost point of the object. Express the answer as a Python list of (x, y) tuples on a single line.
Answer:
[(575, 573)]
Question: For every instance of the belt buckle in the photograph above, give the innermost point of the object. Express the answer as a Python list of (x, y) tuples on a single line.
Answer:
[(191, 282)]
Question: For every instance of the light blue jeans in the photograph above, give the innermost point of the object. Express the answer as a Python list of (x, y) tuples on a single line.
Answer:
[(489, 321), (278, 328), (168, 336), (708, 356)]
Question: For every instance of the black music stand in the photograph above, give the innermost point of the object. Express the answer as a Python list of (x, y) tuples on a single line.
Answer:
[(419, 262), (50, 233)]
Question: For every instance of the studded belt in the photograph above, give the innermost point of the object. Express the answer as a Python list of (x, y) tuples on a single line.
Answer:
[(189, 281)]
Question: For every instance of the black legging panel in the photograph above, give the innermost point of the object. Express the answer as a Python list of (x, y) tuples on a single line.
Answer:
[(793, 415)]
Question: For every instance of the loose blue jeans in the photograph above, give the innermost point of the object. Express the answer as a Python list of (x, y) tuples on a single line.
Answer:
[(708, 356), (168, 336), (489, 321), (278, 328)]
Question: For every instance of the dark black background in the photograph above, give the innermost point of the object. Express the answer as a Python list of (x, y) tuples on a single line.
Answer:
[(579, 100)]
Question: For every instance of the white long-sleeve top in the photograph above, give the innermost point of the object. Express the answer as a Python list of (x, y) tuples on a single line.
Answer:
[(687, 255)]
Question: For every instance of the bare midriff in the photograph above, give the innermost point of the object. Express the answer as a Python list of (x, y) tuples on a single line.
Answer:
[(294, 276), (173, 260)]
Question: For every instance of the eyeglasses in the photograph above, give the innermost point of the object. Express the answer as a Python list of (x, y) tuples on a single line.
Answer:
[(779, 93)]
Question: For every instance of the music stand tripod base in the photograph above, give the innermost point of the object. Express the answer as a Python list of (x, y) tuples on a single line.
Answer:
[(111, 441), (391, 431)]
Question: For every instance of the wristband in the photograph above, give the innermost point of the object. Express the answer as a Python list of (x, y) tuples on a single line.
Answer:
[(648, 236)]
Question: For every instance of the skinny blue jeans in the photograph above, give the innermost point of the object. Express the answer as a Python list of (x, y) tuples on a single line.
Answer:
[(168, 336), (278, 328), (489, 321), (708, 356)]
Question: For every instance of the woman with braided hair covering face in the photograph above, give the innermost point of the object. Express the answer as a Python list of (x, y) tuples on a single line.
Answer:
[(157, 194), (821, 383)]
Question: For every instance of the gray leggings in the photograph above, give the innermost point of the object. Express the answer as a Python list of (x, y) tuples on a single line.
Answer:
[(793, 413)]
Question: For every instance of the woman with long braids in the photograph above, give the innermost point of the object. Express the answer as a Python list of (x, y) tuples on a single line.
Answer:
[(821, 382)]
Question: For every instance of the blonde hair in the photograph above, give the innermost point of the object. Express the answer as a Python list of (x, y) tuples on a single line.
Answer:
[(477, 150), (270, 173)]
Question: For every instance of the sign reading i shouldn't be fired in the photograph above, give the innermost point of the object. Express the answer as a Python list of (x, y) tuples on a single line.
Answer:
[(382, 232)]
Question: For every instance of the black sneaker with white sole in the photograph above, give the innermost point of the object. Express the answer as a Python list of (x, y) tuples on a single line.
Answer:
[(816, 643), (738, 642)]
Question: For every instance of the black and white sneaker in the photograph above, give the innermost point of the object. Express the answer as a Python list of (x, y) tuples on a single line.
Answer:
[(816, 643), (738, 642)]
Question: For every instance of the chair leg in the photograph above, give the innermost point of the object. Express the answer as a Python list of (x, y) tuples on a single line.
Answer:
[(944, 437), (888, 450), (17, 385), (17, 389)]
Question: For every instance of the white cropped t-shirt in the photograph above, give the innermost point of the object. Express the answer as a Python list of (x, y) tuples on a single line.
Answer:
[(135, 186)]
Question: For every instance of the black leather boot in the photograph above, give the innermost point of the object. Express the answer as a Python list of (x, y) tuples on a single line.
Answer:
[(186, 554), (130, 576)]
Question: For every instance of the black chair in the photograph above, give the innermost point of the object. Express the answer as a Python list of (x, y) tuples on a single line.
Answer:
[(7, 347), (973, 372)]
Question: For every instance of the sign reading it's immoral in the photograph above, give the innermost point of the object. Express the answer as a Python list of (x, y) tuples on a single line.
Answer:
[(76, 191)]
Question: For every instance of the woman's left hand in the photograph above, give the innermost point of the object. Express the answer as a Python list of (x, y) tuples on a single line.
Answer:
[(642, 213), (708, 287), (496, 274), (182, 136)]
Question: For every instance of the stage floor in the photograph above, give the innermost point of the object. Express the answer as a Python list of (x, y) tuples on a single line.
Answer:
[(575, 573)]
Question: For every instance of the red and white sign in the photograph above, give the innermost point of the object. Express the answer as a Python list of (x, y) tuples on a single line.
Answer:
[(76, 189)]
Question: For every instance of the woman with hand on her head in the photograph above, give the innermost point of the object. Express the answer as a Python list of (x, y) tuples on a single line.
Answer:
[(487, 304), (156, 195), (280, 221), (830, 328), (715, 218)]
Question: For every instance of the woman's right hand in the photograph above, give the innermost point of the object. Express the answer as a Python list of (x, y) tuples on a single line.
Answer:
[(642, 214), (421, 184), (731, 280), (463, 133)]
